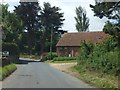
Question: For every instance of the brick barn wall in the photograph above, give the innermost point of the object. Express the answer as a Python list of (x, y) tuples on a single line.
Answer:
[(66, 51)]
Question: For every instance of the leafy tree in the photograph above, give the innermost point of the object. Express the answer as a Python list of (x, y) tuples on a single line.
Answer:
[(82, 21), (111, 10), (112, 29), (108, 9), (29, 12), (51, 21), (0, 14), (11, 25)]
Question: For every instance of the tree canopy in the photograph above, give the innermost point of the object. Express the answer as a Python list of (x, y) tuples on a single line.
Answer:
[(11, 25), (82, 21), (51, 20), (111, 10), (29, 14), (32, 27)]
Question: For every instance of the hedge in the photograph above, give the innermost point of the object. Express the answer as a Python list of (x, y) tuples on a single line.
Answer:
[(48, 56), (51, 55), (6, 71), (11, 47), (64, 58), (101, 57), (13, 53)]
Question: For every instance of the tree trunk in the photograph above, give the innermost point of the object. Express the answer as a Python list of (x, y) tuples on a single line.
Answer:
[(31, 41)]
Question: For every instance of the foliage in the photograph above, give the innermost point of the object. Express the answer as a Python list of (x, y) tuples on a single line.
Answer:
[(82, 21), (64, 58), (48, 56), (13, 50), (112, 29), (111, 10), (51, 21), (6, 71), (65, 61), (102, 58), (51, 56), (31, 27), (96, 79), (11, 25), (51, 18), (11, 47), (29, 14), (86, 49)]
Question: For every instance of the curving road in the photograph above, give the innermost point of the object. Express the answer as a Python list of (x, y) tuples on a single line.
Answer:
[(40, 75)]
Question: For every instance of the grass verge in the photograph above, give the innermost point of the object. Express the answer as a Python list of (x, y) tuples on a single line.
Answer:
[(65, 61), (6, 71), (30, 56), (95, 78)]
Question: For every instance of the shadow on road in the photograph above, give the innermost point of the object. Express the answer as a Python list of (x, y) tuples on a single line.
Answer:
[(21, 61)]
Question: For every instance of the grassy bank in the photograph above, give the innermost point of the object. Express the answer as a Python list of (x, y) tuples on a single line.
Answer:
[(98, 64), (65, 61), (96, 78), (6, 71), (29, 56)]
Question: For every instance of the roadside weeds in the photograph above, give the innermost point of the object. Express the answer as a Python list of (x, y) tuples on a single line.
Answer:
[(102, 81), (6, 71)]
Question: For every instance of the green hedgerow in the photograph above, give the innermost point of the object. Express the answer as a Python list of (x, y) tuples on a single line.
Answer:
[(7, 70)]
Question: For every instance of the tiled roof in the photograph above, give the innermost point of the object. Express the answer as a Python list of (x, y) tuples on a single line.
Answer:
[(74, 39)]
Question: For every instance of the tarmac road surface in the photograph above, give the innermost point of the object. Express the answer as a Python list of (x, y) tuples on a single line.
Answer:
[(34, 74)]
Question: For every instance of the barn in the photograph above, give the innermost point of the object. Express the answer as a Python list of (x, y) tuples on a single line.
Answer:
[(69, 43)]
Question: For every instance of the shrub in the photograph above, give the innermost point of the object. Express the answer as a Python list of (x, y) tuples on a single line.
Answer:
[(48, 56), (64, 58), (11, 47), (7, 70), (13, 53), (51, 55), (102, 58)]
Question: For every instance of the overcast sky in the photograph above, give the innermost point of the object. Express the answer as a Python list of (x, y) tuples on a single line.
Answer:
[(68, 8)]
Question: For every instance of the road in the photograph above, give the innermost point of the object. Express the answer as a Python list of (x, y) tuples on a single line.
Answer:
[(40, 75)]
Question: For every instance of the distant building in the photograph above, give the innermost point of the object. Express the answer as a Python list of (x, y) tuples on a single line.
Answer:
[(69, 44)]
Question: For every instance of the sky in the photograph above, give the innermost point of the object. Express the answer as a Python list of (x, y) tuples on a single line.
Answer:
[(68, 8)]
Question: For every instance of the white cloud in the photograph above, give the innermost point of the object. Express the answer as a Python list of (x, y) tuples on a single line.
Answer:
[(68, 7)]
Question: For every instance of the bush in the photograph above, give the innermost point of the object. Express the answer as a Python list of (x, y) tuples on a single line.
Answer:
[(13, 53), (51, 56), (11, 47), (7, 70), (102, 58), (47, 56), (64, 58)]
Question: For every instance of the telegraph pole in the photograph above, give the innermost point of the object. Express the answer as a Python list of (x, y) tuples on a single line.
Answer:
[(51, 40)]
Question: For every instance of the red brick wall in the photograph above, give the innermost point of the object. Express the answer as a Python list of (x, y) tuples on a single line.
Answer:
[(65, 51)]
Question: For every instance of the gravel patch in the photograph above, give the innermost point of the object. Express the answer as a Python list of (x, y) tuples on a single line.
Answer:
[(66, 67)]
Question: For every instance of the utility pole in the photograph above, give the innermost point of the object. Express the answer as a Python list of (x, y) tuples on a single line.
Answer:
[(51, 44)]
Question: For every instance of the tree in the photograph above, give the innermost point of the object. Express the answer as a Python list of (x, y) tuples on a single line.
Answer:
[(29, 12), (11, 25), (111, 10), (112, 29), (82, 21), (51, 21)]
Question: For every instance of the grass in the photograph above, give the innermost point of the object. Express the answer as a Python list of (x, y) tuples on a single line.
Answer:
[(65, 61), (6, 71), (29, 56), (97, 79)]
